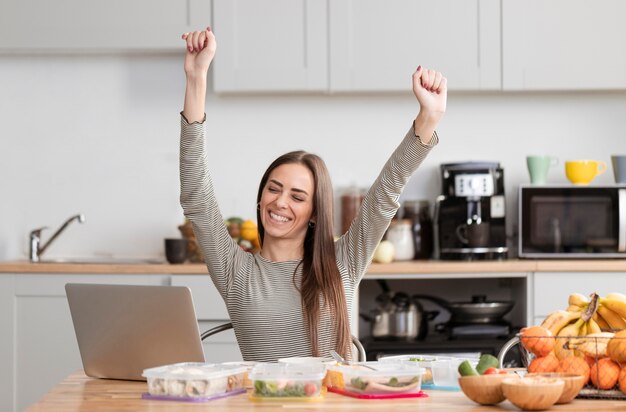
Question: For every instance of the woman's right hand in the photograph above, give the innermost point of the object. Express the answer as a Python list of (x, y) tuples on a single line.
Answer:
[(201, 46)]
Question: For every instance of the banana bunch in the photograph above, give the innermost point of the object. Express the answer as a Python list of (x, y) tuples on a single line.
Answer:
[(593, 345), (586, 326)]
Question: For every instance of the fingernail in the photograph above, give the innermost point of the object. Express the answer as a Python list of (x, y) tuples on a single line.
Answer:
[(419, 67), (208, 29)]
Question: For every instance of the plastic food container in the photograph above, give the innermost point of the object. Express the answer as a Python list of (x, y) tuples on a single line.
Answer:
[(446, 370), (424, 361), (194, 380), (388, 377), (287, 381), (248, 365)]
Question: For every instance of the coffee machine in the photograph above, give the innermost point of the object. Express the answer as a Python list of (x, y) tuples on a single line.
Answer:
[(470, 212)]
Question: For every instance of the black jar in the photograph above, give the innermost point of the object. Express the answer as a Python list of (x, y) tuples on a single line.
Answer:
[(423, 233)]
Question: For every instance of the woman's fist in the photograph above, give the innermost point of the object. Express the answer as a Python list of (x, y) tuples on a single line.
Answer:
[(201, 46), (430, 89)]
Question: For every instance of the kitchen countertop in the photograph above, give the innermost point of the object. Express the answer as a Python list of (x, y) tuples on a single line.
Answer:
[(396, 268), (80, 393)]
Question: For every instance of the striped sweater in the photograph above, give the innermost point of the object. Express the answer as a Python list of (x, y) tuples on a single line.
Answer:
[(264, 306)]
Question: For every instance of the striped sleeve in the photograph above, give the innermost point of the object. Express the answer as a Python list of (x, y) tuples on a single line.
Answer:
[(356, 247), (222, 255)]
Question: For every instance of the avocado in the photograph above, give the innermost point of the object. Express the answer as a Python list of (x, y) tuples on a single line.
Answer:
[(485, 362)]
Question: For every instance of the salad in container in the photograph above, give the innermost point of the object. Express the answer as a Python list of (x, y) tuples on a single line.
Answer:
[(379, 377), (287, 381)]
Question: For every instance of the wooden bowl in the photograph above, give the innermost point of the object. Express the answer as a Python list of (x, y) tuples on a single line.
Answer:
[(573, 384), (484, 389), (535, 393)]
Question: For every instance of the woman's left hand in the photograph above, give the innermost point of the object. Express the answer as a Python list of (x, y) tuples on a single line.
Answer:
[(430, 89)]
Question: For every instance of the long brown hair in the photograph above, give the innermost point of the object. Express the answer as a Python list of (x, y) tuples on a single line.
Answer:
[(320, 275)]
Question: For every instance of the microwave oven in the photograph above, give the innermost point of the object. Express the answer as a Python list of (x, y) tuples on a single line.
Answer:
[(566, 221)]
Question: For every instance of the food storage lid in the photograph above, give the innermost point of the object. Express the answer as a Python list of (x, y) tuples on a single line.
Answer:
[(412, 358), (380, 369), (193, 370), (292, 371)]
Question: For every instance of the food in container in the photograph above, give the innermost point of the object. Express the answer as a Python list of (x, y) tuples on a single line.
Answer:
[(424, 361), (194, 380), (387, 377), (287, 381), (247, 383)]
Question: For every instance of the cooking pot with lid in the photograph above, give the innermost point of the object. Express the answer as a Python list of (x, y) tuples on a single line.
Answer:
[(398, 316), (478, 310)]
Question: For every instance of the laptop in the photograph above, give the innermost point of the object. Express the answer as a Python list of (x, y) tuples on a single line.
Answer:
[(123, 329)]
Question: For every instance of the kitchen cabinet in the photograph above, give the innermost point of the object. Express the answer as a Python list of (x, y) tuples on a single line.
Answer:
[(285, 50), (563, 45), (88, 25), (377, 45), (551, 289), (211, 312), (38, 344), (348, 45)]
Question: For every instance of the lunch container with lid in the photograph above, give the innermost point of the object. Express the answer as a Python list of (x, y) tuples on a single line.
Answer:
[(287, 381), (194, 380), (379, 378)]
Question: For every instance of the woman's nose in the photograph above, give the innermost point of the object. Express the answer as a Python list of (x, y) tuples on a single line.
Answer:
[(282, 201)]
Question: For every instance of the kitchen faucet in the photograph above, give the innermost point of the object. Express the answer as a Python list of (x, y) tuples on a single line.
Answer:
[(35, 237)]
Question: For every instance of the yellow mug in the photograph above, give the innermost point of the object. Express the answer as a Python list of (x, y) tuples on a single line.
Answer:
[(582, 172)]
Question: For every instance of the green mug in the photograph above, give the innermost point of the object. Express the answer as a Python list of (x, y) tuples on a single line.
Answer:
[(538, 167)]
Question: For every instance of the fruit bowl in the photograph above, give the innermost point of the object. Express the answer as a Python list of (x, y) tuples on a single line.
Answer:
[(533, 393), (573, 383), (485, 389)]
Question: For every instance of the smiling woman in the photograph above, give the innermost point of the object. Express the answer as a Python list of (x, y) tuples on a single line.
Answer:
[(292, 298)]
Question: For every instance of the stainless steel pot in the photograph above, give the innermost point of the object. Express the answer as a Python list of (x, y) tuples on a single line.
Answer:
[(479, 310), (398, 316)]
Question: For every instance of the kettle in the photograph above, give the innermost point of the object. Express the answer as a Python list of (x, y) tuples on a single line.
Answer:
[(405, 319)]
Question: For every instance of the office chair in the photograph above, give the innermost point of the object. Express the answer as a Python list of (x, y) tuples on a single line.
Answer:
[(220, 328)]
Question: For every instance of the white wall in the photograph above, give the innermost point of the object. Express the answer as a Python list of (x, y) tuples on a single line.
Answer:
[(99, 135)]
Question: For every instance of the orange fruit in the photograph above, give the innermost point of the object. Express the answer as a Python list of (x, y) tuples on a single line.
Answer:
[(574, 364), (537, 339), (249, 230), (605, 373), (621, 380), (543, 364)]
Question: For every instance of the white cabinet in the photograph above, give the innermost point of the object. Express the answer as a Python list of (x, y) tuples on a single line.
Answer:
[(551, 289), (270, 45), (376, 45), (38, 345), (348, 45), (211, 312), (89, 25), (563, 44)]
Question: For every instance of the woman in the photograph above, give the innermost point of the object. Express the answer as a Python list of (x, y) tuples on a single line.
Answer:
[(293, 297)]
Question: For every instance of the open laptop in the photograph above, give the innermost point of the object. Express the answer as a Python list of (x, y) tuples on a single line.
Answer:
[(124, 329)]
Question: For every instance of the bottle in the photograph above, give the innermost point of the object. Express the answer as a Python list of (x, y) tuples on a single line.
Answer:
[(351, 201), (418, 211)]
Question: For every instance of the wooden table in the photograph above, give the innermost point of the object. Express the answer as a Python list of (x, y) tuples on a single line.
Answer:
[(80, 393)]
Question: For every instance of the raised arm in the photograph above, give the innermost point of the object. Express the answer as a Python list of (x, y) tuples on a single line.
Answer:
[(222, 255), (356, 247), (201, 46)]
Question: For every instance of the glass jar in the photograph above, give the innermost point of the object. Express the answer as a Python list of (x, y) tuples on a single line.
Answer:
[(418, 211), (400, 234), (351, 200)]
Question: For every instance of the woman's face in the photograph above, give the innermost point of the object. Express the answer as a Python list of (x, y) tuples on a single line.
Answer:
[(287, 202)]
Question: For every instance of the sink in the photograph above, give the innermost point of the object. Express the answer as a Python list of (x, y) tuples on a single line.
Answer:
[(106, 260)]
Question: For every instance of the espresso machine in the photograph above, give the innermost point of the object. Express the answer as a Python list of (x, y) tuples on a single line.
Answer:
[(470, 212)]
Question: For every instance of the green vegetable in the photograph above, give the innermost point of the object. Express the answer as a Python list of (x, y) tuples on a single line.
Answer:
[(358, 383), (466, 369), (485, 362)]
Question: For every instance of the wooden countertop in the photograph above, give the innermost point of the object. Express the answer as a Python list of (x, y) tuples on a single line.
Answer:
[(376, 269), (80, 393)]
